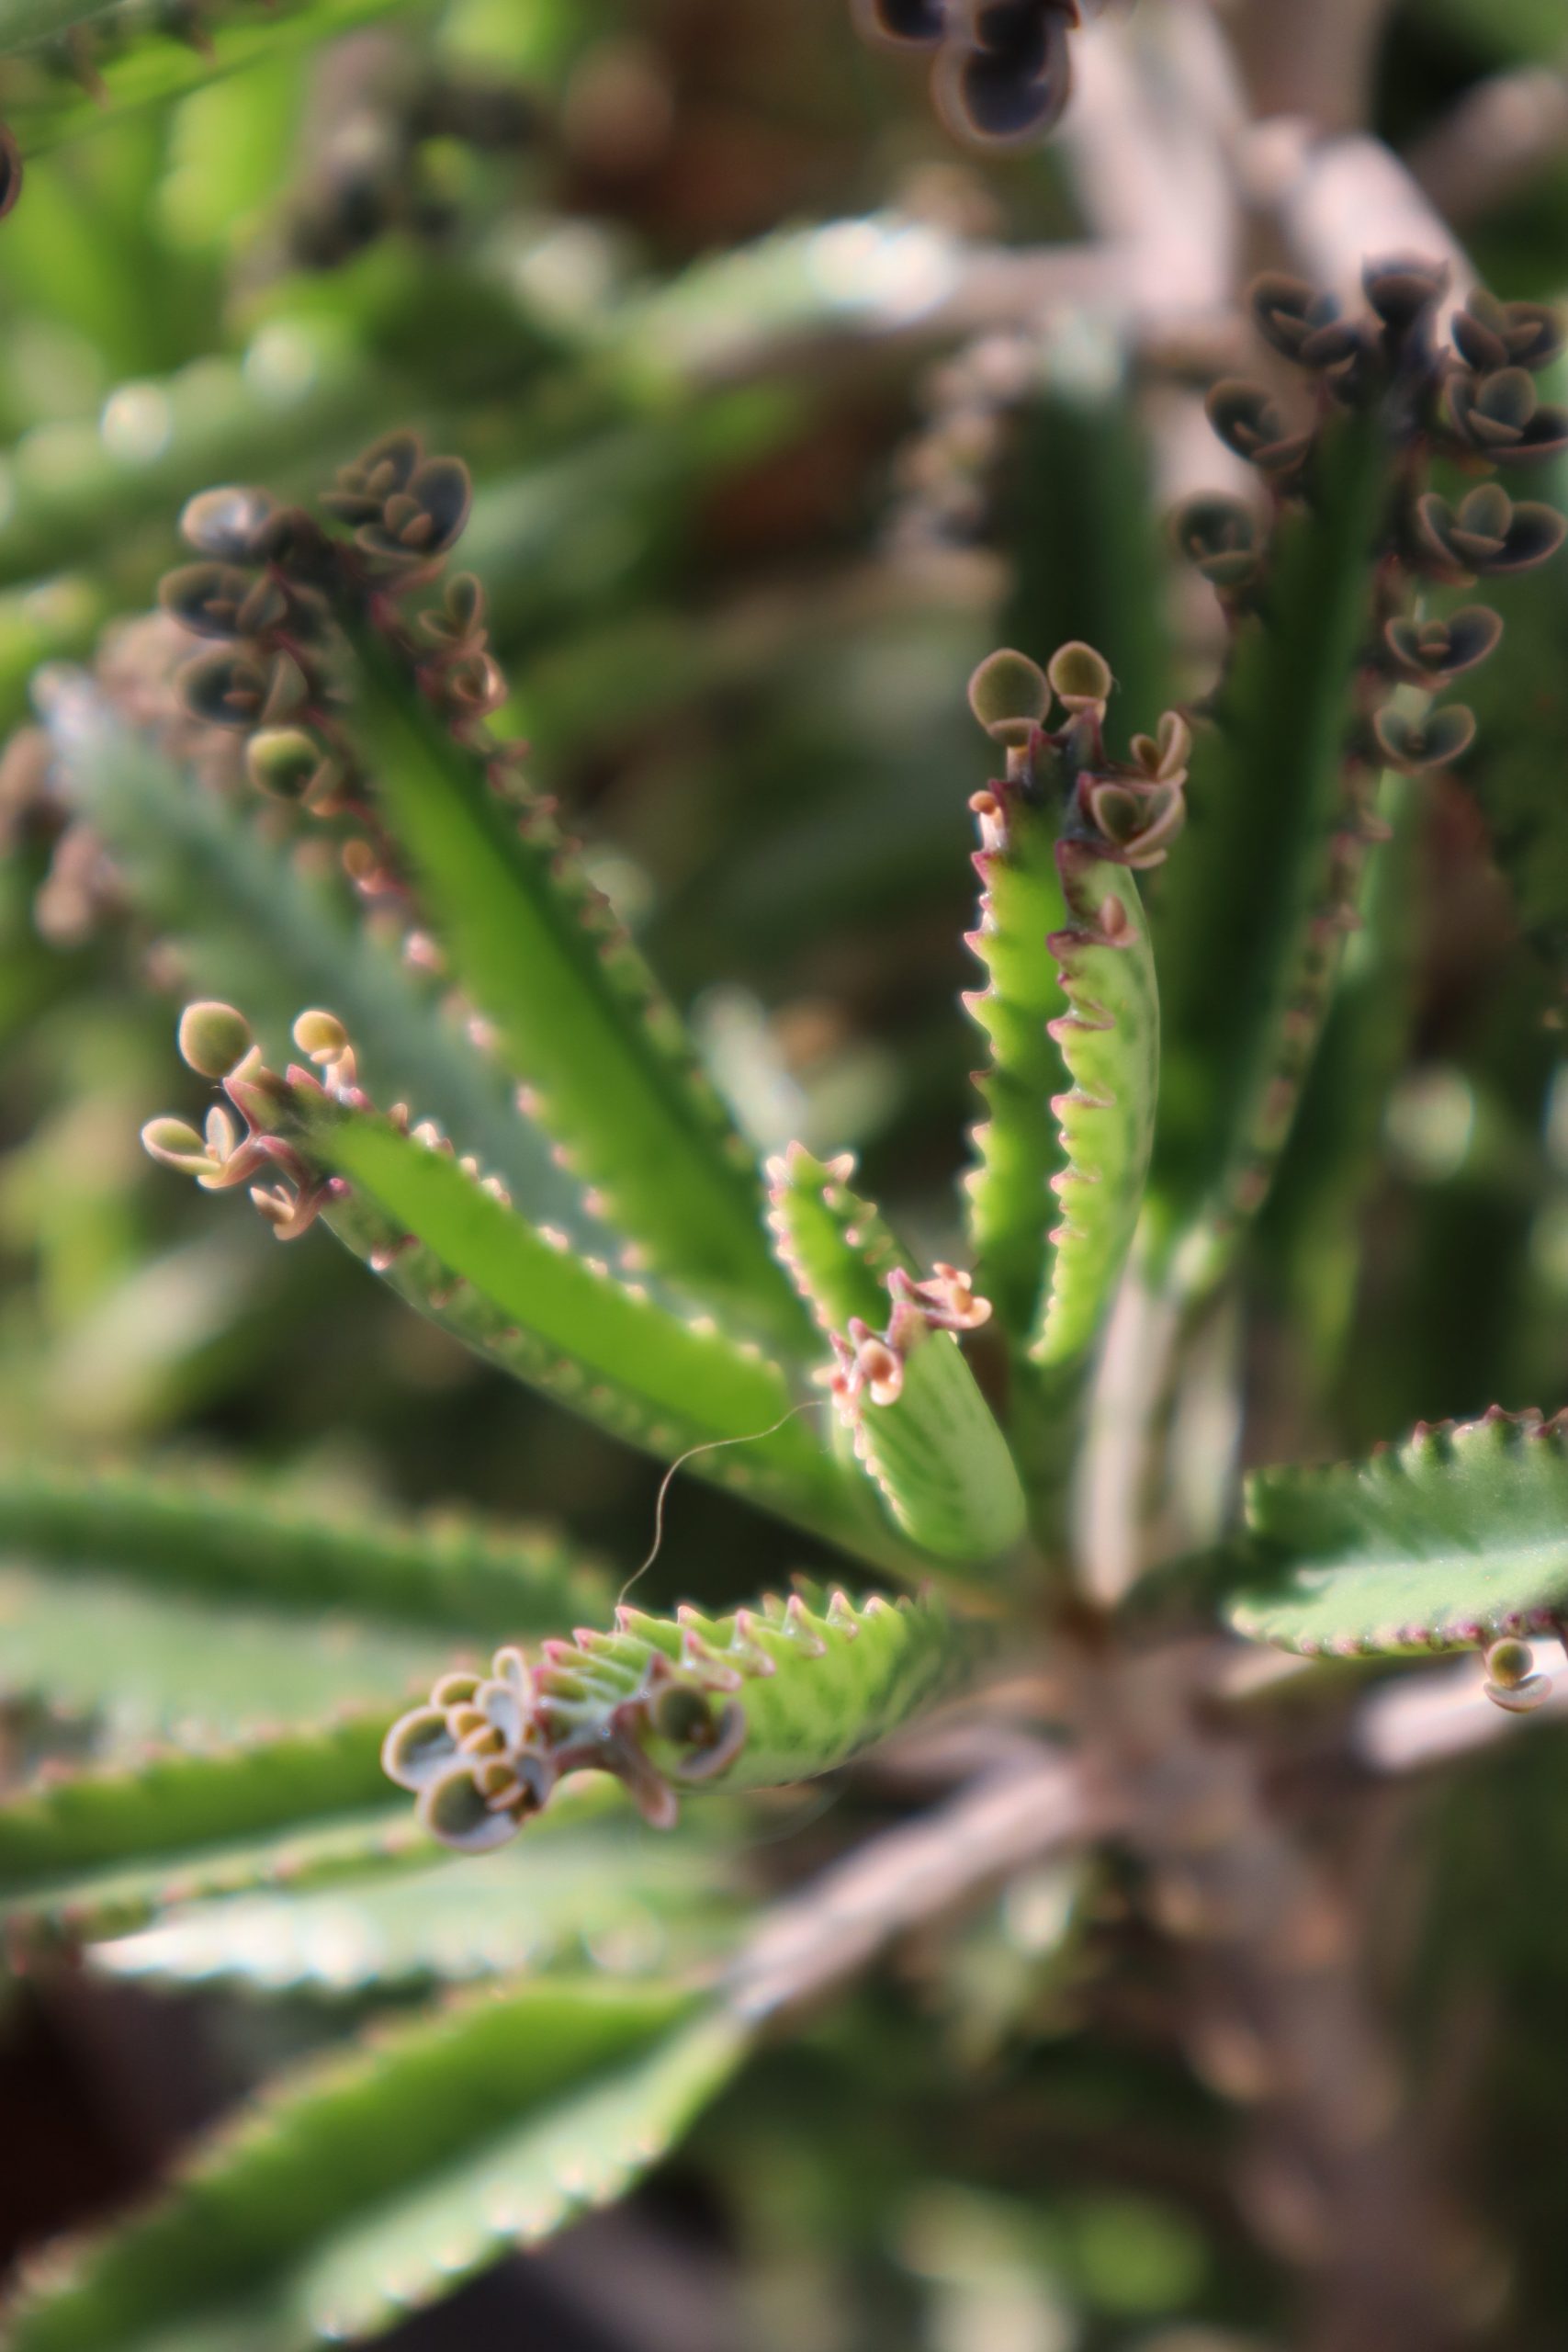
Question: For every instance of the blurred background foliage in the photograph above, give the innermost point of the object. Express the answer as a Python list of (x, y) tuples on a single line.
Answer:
[(781, 408)]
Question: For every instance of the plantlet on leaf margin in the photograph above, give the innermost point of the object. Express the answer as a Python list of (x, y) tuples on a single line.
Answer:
[(764, 1697), (1002, 73), (1073, 994), (1332, 656)]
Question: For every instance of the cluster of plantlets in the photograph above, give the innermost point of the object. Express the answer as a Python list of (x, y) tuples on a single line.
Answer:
[(609, 1239), (1002, 68)]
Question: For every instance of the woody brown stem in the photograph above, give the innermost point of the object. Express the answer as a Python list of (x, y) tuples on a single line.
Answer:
[(1278, 2020)]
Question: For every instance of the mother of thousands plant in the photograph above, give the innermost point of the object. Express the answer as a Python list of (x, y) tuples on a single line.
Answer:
[(538, 1165)]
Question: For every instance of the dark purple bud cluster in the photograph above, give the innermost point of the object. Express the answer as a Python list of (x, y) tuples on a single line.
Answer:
[(1003, 69), (1470, 401), (277, 593), (485, 1752), (1126, 811), (370, 172)]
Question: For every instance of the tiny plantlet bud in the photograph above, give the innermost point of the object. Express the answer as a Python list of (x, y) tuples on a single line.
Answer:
[(214, 1039), (283, 762), (1080, 676), (1010, 695), (174, 1142), (320, 1036), (1511, 1682)]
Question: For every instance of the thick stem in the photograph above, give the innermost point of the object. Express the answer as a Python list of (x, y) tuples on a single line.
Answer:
[(1278, 2022)]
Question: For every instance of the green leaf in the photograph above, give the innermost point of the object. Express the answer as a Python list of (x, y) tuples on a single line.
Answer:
[(152, 1663), (631, 1905), (1520, 700), (1018, 1145), (62, 64), (1313, 1228), (575, 1010), (370, 2183), (173, 1801), (228, 1538), (1523, 31), (103, 1902), (566, 1326), (1109, 1039), (1072, 1016), (70, 496), (1454, 1538), (1078, 514), (361, 1849), (761, 1698), (197, 1590), (255, 928), (1251, 913), (933, 1446)]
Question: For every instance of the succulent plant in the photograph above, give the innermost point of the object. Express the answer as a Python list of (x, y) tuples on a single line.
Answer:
[(988, 1762), (575, 1204)]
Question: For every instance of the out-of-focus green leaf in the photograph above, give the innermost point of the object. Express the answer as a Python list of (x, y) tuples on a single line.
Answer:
[(1454, 1538), (626, 1902), (577, 1015), (170, 1801), (369, 2183), (64, 61)]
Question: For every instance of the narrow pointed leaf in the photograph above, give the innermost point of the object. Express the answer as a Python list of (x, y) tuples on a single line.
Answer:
[(256, 929), (1109, 1039), (359, 1849), (1313, 1229), (148, 1662), (934, 1448), (1515, 772), (760, 1699), (637, 1905), (574, 1007), (66, 64), (566, 1326), (1018, 1145), (1250, 915), (369, 2183), (231, 1539), (1456, 1537), (172, 1802)]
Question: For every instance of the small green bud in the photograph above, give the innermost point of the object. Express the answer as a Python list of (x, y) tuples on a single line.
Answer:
[(1509, 1661), (1010, 695), (214, 1038), (320, 1036), (1510, 1682), (175, 1144), (1412, 744), (1080, 676), (284, 762)]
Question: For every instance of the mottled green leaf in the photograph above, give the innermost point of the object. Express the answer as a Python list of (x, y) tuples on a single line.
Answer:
[(1109, 1040), (257, 929), (67, 62), (172, 1802), (198, 1669), (602, 1346), (932, 1447), (369, 2183), (1249, 913), (232, 1538), (615, 1897), (1456, 1537), (574, 1007)]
